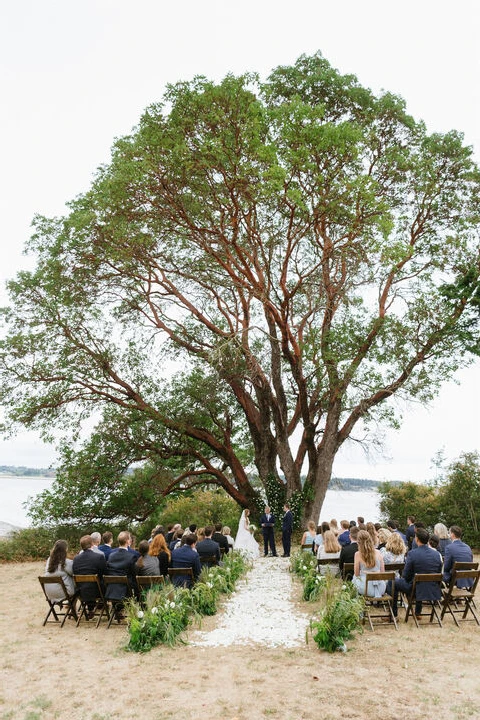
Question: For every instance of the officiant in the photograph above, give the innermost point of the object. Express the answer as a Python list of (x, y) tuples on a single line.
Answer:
[(267, 522)]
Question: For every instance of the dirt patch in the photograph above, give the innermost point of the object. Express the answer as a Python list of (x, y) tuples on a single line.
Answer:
[(85, 674)]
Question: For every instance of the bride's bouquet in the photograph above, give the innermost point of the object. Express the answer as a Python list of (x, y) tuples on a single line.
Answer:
[(252, 528)]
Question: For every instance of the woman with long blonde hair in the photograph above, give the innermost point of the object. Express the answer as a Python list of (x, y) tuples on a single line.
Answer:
[(329, 550), (368, 559)]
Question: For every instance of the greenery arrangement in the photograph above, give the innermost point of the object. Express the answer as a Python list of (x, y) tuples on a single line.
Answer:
[(339, 619), (166, 611)]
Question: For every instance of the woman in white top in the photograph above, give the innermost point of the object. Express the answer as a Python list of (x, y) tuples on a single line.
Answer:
[(59, 564)]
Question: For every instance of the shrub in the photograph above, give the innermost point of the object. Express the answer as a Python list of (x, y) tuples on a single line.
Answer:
[(340, 617)]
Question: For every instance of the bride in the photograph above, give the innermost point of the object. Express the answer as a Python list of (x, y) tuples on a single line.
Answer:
[(245, 540)]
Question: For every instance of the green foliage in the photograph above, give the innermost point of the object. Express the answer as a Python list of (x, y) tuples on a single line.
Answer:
[(166, 611), (408, 498), (459, 496), (304, 564), (204, 507), (340, 618)]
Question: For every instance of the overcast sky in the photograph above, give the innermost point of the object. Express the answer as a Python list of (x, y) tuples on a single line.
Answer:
[(75, 75)]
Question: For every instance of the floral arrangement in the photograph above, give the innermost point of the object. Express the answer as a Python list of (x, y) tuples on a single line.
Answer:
[(339, 619), (166, 610)]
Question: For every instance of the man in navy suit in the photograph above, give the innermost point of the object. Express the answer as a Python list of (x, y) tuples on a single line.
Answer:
[(457, 551), (186, 556), (287, 528), (267, 521), (208, 547), (422, 559), (121, 562), (88, 562)]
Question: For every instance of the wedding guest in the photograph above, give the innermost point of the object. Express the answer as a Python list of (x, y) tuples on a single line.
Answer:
[(368, 560), (88, 562), (107, 542), (146, 564), (334, 526), (434, 543), (158, 549), (373, 533), (329, 550), (393, 527), (344, 537), (96, 539), (347, 553), (383, 535), (395, 549), (59, 564), (186, 557), (175, 542), (220, 538), (318, 540), (226, 531), (208, 547), (441, 531), (457, 551), (410, 531), (309, 535)]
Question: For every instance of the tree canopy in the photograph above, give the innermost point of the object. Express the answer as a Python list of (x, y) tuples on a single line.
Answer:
[(260, 268)]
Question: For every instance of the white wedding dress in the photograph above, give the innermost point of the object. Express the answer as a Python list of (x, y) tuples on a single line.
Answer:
[(245, 540)]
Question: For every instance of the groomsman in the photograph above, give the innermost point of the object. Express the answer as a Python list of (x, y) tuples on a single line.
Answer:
[(287, 527), (267, 521)]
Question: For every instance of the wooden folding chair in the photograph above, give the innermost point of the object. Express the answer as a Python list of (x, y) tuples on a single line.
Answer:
[(397, 567), (146, 583), (208, 561), (96, 600), (186, 573), (347, 571), (333, 562), (453, 595), (423, 578), (116, 604), (380, 608), (66, 607)]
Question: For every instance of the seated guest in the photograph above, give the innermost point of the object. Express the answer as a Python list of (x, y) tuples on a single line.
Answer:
[(373, 533), (226, 531), (334, 527), (171, 530), (383, 535), (175, 543), (220, 538), (347, 553), (329, 550), (318, 540), (420, 559), (368, 560), (457, 551), (344, 537), (393, 527), (88, 562), (434, 543), (158, 549), (441, 531), (121, 562), (59, 564), (395, 549), (107, 541), (309, 535), (208, 547), (146, 564), (186, 557), (96, 539)]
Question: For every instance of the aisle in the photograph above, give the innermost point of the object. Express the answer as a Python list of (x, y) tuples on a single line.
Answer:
[(260, 611)]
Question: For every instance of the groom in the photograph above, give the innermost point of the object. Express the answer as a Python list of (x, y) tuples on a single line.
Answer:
[(267, 521)]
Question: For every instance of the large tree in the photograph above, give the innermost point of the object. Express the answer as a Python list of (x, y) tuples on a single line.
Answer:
[(258, 271)]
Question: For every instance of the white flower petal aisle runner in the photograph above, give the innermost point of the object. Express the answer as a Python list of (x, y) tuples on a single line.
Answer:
[(260, 611)]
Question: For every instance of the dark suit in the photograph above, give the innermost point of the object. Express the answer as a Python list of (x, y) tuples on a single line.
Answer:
[(207, 548), (186, 557), (410, 535), (457, 551), (89, 562), (287, 528), (120, 562), (422, 559), (347, 555), (221, 540), (268, 533)]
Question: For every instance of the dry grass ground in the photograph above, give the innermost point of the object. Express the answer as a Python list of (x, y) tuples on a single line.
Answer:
[(85, 674)]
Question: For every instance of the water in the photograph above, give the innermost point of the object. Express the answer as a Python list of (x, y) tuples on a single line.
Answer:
[(339, 504)]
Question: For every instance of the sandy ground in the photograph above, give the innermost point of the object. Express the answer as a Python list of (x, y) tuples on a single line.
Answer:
[(85, 674)]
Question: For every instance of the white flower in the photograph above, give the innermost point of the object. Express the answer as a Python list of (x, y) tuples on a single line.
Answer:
[(344, 587), (140, 614), (304, 567), (172, 604), (154, 610), (210, 585)]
